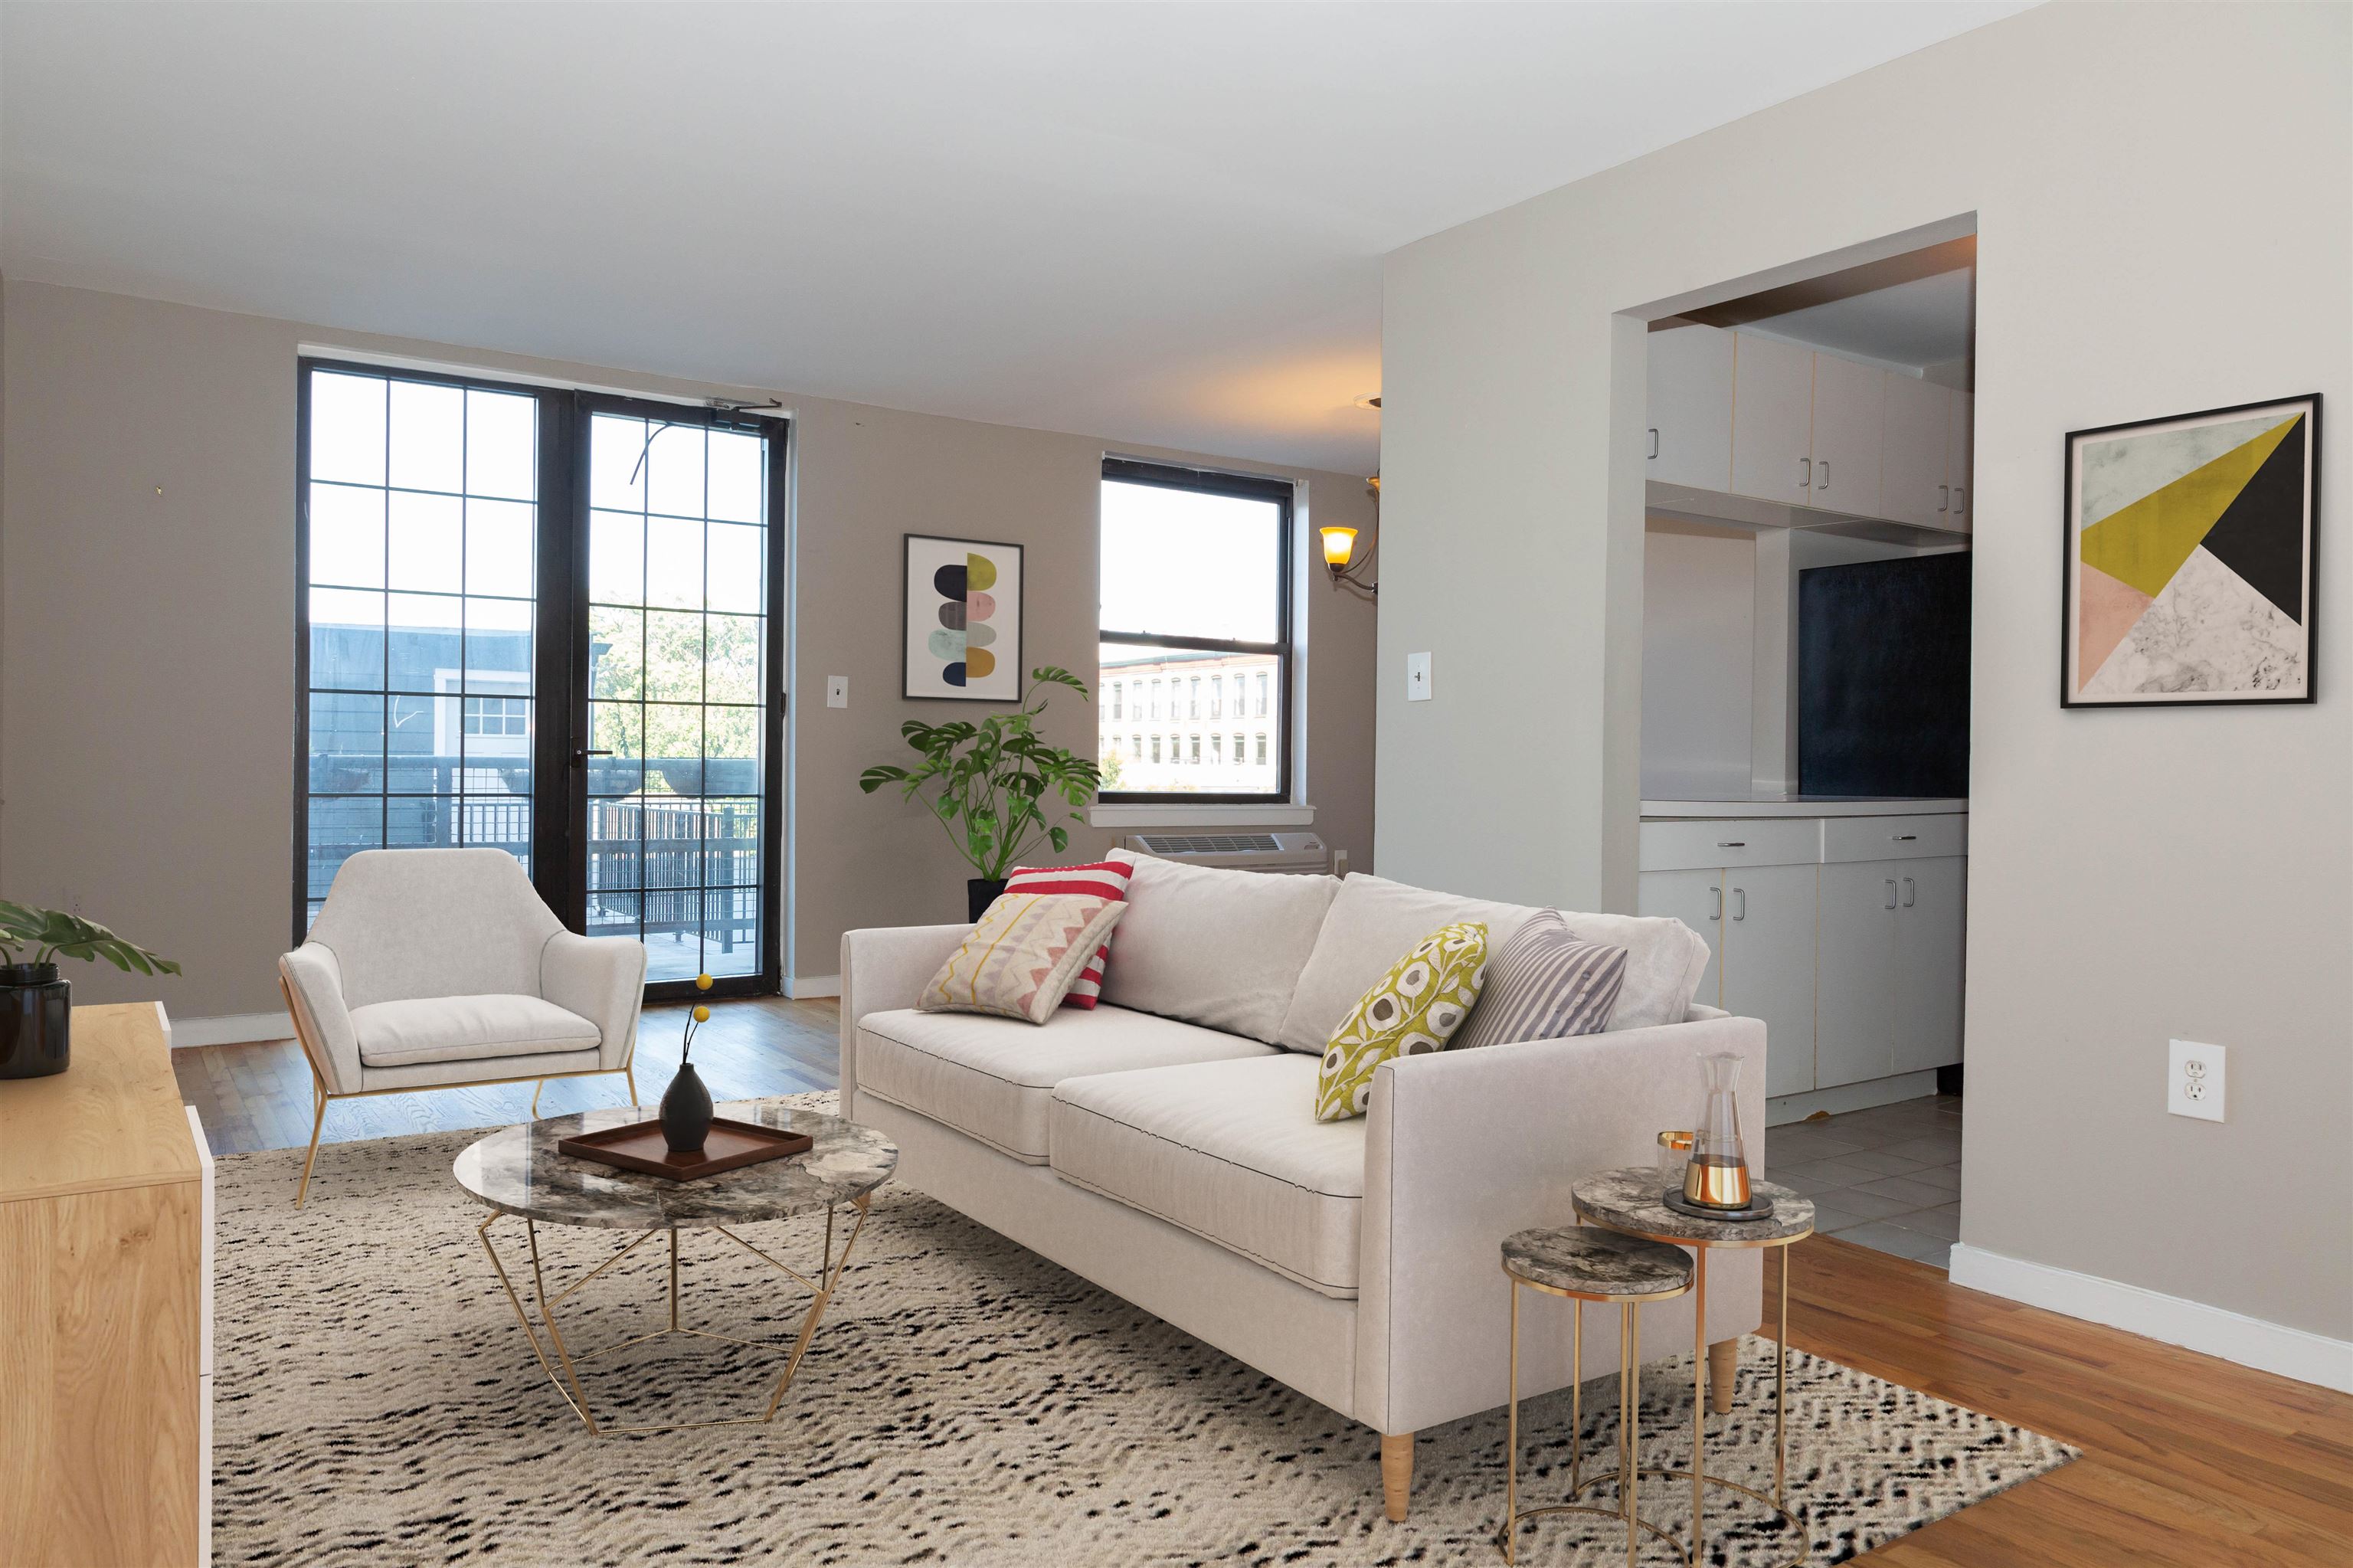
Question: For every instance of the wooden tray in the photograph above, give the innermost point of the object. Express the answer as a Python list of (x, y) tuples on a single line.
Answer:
[(728, 1146)]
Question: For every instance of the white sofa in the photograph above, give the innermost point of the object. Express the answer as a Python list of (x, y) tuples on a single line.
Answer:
[(1165, 1146)]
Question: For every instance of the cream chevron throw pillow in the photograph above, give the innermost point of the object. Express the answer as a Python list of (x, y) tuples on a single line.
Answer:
[(1024, 956)]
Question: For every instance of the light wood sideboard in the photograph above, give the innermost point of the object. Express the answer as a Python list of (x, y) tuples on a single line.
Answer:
[(105, 1287)]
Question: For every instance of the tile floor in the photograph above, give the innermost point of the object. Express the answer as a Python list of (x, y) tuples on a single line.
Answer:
[(1888, 1178)]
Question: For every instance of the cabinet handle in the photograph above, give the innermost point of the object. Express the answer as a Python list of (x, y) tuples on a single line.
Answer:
[(1958, 493), (1805, 474), (1944, 497), (1654, 441), (1891, 893), (1740, 910), (1908, 892), (1823, 483), (1732, 843), (1719, 902), (1904, 838)]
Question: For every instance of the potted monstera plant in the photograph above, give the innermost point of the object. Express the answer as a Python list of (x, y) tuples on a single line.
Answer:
[(35, 1003), (993, 783)]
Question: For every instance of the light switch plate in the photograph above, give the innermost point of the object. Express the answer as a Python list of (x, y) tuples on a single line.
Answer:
[(2194, 1081), (836, 691), (1417, 677)]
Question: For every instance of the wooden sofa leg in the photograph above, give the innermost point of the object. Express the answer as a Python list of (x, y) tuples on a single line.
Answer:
[(1723, 1361), (1397, 1473)]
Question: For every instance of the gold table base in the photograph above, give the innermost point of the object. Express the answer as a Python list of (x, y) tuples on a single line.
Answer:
[(821, 1288)]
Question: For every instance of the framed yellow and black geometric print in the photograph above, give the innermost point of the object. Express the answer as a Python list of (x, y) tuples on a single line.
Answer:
[(2189, 557)]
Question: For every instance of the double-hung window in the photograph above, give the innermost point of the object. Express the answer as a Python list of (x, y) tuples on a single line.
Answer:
[(1197, 586)]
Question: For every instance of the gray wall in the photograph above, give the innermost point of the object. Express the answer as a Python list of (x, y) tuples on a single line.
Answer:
[(2136, 874), (146, 665)]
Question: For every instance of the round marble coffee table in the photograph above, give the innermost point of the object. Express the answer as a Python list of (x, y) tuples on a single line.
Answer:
[(518, 1172), (1630, 1201)]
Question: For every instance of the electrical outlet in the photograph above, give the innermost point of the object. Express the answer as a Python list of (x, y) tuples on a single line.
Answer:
[(2195, 1080), (1417, 677), (836, 691)]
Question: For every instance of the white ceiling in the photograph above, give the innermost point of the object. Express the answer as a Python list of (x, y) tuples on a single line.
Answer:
[(1917, 324), (1154, 223)]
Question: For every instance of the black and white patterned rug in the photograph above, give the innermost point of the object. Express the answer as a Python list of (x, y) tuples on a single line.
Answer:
[(966, 1402)]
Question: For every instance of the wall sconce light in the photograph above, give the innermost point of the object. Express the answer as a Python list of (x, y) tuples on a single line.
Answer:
[(1339, 548)]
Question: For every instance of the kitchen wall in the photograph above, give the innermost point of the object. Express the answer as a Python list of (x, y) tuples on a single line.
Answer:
[(2134, 875), (146, 663)]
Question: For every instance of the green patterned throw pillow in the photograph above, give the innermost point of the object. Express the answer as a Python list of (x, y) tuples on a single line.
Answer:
[(1416, 1007)]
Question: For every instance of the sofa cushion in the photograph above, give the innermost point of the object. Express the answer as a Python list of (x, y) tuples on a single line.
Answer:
[(1545, 984), (466, 1029), (1101, 879), (1230, 1151), (1221, 948), (1372, 920), (991, 1078)]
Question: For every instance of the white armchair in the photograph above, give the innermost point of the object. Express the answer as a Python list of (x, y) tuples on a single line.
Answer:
[(440, 968)]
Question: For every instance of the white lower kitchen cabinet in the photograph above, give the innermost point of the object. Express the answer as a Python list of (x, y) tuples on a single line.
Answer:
[(1767, 959), (1849, 944)]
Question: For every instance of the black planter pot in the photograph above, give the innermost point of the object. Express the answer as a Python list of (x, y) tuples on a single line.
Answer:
[(36, 1018), (979, 894), (685, 1111)]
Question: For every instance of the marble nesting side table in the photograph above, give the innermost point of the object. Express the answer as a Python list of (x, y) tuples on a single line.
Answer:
[(1629, 1202), (519, 1172), (1589, 1266)]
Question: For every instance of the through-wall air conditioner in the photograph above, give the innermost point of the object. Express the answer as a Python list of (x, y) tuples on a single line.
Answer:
[(1243, 851)]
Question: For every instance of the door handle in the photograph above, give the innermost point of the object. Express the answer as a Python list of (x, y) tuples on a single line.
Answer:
[(1908, 892), (1654, 441), (1823, 483), (1719, 903), (1891, 893), (580, 758), (1740, 910), (1944, 497), (1805, 474)]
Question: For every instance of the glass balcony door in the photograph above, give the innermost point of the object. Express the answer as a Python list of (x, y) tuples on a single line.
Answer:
[(682, 725), (545, 621)]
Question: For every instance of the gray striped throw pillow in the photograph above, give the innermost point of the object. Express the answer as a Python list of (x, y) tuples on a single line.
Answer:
[(1548, 982)]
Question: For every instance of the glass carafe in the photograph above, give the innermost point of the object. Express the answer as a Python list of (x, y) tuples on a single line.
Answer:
[(1718, 1176)]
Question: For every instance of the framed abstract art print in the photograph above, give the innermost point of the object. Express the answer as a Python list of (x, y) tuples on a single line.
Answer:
[(2190, 559), (963, 626)]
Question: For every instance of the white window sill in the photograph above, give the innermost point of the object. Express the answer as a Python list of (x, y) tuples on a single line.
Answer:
[(1154, 815)]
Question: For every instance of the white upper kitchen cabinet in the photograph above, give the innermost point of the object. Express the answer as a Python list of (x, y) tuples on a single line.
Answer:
[(1960, 432), (1689, 434), (1772, 420), (1918, 428), (1848, 403)]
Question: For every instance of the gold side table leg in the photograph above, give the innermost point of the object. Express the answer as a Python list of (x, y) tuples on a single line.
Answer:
[(1781, 1394), (1511, 1437), (1630, 1397), (1575, 1392), (1699, 1400)]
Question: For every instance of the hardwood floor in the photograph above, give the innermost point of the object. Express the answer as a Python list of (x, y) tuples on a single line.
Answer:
[(2188, 1462), (258, 1096)]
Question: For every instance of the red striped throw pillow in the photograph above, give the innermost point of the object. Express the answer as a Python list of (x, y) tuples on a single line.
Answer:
[(1103, 879)]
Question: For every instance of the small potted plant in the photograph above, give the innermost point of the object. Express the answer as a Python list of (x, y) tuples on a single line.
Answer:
[(35, 1003), (987, 784)]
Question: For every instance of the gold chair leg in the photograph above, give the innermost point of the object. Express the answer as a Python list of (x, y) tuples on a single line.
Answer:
[(318, 1121), (534, 1097), (630, 1074)]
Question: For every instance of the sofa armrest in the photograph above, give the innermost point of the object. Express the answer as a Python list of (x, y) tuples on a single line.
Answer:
[(885, 968), (1466, 1146), (313, 978), (602, 979)]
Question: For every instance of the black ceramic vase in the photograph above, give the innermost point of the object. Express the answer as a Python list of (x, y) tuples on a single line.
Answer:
[(979, 893), (685, 1111), (36, 1014)]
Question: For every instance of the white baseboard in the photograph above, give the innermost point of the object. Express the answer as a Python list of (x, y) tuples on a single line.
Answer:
[(798, 986), (234, 1028), (2212, 1331), (1782, 1109)]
